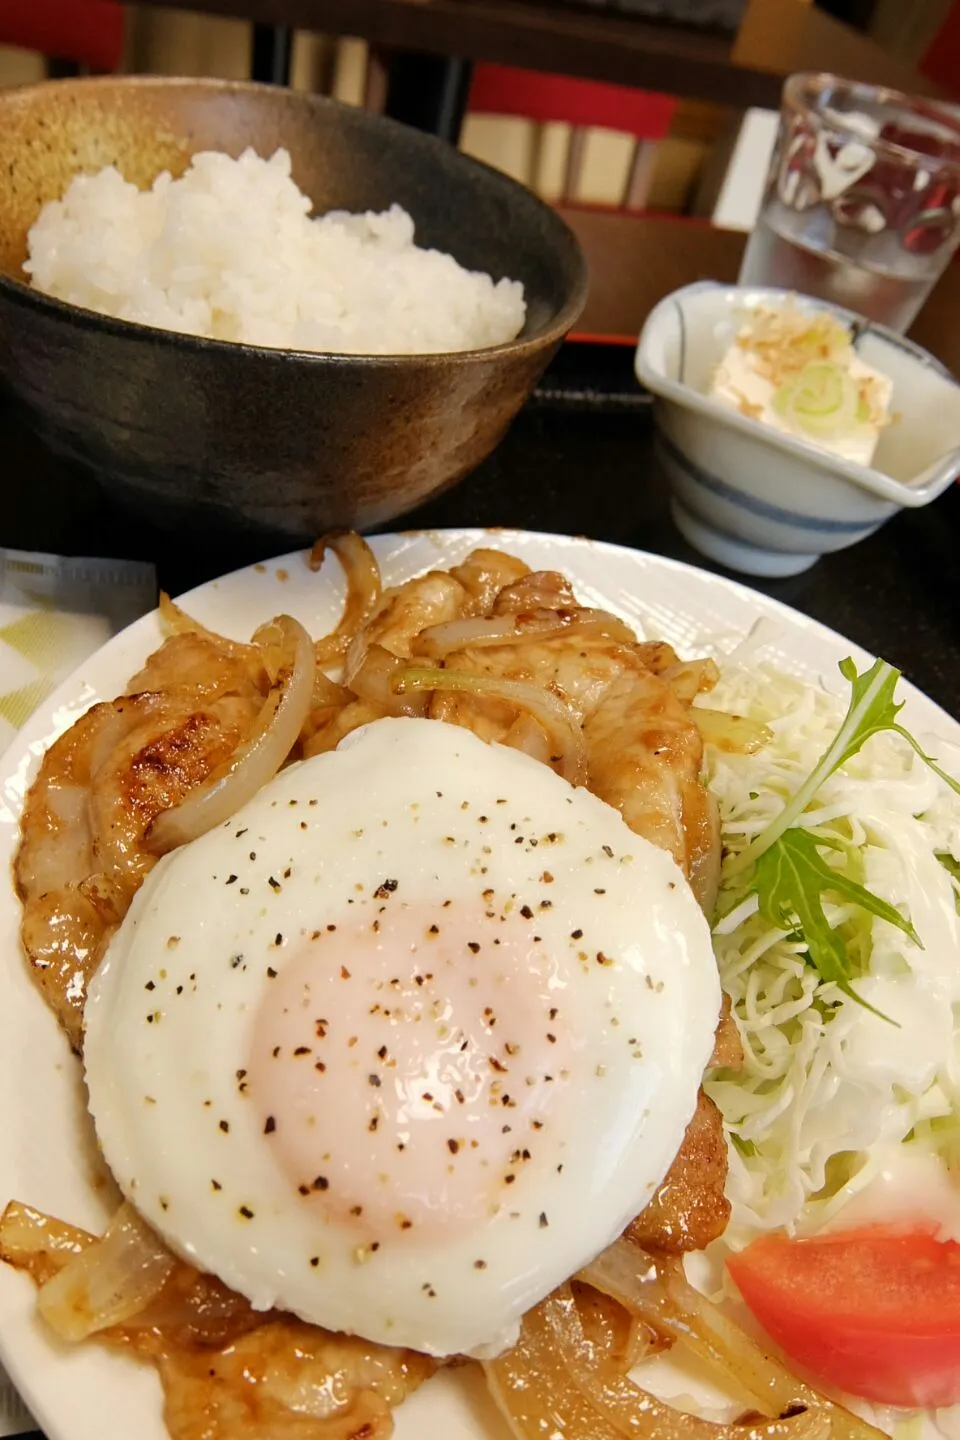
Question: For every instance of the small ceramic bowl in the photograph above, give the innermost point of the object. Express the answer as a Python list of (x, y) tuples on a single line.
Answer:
[(766, 503)]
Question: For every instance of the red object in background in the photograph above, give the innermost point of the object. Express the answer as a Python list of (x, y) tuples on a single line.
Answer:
[(89, 32), (508, 90), (942, 61), (534, 95)]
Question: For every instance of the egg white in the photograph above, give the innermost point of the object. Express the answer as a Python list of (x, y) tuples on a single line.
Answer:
[(409, 823)]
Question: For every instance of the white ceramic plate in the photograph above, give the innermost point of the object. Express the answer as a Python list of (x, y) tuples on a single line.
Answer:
[(46, 1152)]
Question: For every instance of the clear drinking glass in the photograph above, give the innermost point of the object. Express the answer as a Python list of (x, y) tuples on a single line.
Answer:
[(862, 204)]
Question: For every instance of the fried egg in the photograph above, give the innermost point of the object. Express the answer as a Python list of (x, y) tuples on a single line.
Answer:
[(407, 1042)]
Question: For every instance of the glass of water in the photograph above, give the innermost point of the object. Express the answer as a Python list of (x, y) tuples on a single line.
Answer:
[(862, 203)]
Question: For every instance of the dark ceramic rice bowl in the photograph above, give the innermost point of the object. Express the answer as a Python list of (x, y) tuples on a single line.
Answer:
[(208, 433)]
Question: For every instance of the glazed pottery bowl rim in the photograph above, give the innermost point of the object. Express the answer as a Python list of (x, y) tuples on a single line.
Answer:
[(82, 318), (753, 436), (553, 328)]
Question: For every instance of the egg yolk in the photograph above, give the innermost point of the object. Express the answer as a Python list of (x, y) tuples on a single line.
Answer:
[(407, 1067)]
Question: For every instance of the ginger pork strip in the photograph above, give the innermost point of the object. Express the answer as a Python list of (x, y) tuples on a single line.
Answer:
[(84, 829), (227, 1371)]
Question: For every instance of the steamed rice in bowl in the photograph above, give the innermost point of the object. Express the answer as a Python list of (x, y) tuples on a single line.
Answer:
[(229, 252)]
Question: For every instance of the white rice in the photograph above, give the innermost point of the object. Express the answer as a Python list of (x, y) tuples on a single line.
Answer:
[(229, 252)]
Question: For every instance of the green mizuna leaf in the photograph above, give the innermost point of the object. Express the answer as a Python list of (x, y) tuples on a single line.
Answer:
[(790, 880), (872, 709), (949, 864)]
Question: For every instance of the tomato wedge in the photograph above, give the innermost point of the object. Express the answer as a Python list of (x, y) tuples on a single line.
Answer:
[(875, 1312)]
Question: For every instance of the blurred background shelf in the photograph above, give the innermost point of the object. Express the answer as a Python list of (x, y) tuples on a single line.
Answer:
[(603, 103), (712, 77)]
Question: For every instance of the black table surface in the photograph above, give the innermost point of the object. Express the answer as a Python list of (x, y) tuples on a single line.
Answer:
[(579, 460)]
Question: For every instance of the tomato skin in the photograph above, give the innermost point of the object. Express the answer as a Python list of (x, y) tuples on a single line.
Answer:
[(875, 1312)]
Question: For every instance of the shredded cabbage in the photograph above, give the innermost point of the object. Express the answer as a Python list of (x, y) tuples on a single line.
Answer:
[(828, 1087)]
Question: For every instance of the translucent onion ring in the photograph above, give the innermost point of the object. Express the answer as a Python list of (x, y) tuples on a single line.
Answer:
[(363, 590), (178, 622), (657, 1290), (478, 631), (561, 726), (556, 1380), (256, 760), (373, 682), (734, 734), (108, 1282), (190, 1309)]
